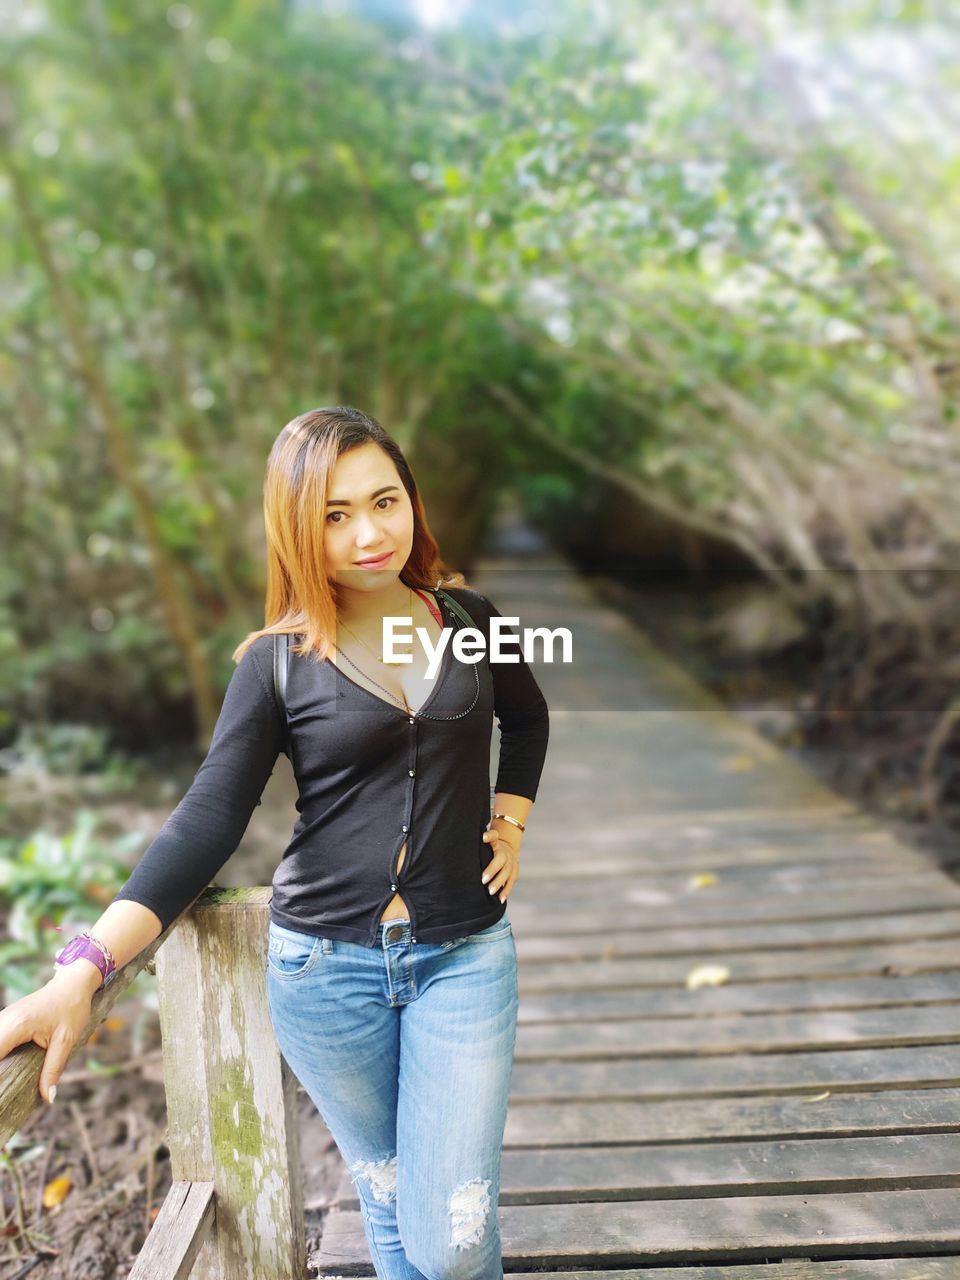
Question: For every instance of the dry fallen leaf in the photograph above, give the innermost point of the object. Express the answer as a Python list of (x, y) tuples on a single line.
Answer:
[(707, 975), (702, 880), (55, 1192), (113, 1023)]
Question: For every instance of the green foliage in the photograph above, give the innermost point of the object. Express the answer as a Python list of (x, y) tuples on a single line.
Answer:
[(50, 887)]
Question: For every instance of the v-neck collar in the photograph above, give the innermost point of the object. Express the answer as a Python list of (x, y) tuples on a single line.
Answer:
[(441, 674)]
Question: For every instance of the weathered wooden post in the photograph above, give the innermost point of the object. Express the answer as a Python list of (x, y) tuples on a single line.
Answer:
[(231, 1098)]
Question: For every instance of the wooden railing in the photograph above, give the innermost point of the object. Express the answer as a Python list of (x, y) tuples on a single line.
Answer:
[(235, 1209)]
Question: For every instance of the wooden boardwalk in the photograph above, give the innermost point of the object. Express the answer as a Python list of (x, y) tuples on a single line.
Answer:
[(802, 1118)]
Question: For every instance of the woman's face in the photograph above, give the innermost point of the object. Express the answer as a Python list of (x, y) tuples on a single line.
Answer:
[(368, 514)]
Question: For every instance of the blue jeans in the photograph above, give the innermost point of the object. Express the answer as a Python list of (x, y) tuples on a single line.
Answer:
[(406, 1049)]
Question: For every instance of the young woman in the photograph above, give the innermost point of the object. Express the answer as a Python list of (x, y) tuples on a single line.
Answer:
[(391, 964)]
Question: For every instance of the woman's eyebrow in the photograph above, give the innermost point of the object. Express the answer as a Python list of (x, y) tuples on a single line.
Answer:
[(345, 502)]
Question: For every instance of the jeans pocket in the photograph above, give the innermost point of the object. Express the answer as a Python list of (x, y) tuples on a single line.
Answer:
[(501, 928), (289, 952)]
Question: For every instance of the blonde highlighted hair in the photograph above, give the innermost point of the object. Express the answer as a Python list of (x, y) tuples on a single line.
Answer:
[(300, 598)]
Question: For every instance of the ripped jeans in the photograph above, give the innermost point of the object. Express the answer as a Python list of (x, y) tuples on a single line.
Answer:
[(406, 1049)]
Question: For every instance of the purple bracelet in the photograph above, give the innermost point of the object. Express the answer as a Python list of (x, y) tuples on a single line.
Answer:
[(87, 948)]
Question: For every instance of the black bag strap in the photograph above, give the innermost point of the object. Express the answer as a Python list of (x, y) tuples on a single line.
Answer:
[(281, 656), (457, 609), (281, 661)]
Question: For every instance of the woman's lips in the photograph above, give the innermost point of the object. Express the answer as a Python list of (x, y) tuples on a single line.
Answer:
[(375, 564)]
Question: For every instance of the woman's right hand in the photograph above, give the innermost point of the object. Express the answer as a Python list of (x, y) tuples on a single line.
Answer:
[(53, 1017)]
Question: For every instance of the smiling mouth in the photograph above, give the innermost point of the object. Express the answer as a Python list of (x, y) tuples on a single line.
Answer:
[(376, 559)]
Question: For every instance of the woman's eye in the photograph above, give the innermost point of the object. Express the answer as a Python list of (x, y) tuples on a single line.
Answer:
[(388, 499)]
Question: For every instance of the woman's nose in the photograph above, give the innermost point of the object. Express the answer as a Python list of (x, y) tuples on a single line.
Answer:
[(367, 531)]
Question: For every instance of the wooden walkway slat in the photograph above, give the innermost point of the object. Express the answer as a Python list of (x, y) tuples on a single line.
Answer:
[(762, 884), (799, 1121), (573, 1004), (722, 1168), (747, 1115), (709, 1229), (644, 1038), (633, 913), (598, 969), (732, 1075), (586, 939)]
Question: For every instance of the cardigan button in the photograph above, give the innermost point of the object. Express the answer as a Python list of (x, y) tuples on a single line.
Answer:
[(403, 828), (410, 771)]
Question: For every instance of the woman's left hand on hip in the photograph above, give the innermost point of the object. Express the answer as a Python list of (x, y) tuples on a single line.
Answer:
[(502, 871)]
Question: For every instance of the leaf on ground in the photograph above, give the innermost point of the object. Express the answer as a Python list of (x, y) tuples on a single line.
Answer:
[(702, 880), (55, 1192), (707, 975)]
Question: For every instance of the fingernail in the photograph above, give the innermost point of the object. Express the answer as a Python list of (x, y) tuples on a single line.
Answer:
[(52, 1093), (484, 879)]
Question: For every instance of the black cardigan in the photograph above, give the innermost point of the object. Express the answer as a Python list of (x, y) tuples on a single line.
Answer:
[(369, 777)]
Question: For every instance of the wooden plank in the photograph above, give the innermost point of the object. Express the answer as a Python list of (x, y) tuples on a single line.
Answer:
[(574, 944), (834, 817), (177, 1234), (646, 1038), (685, 1170), (604, 971), (567, 851), (731, 893), (738, 997), (231, 1098), (736, 1074), (931, 1268), (666, 867), (658, 913), (707, 1230), (944, 1267), (584, 1119)]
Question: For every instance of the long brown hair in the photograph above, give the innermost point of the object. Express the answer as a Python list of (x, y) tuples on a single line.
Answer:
[(300, 598)]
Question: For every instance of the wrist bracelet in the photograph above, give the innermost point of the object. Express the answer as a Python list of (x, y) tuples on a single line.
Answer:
[(506, 817), (84, 946)]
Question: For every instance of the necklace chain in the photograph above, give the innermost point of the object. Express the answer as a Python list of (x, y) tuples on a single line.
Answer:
[(360, 639), (406, 706)]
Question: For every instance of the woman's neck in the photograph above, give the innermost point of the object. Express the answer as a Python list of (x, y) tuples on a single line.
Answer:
[(369, 608)]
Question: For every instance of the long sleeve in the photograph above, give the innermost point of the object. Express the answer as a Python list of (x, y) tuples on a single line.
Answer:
[(523, 717), (208, 823)]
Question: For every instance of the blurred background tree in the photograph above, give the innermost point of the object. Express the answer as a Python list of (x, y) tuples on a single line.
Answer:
[(682, 277)]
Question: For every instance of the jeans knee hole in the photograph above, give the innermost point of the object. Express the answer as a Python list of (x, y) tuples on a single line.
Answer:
[(381, 1176), (469, 1207)]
